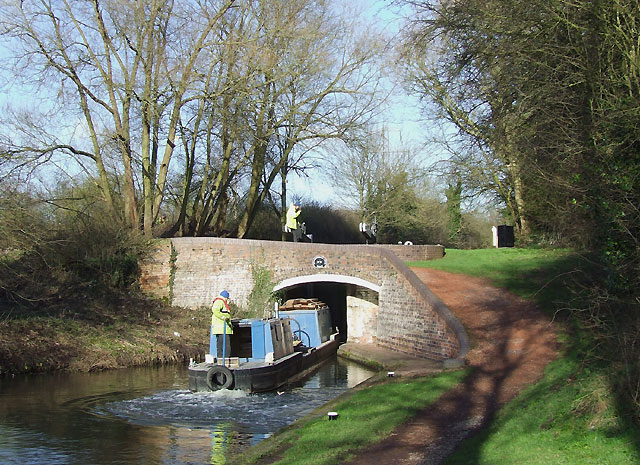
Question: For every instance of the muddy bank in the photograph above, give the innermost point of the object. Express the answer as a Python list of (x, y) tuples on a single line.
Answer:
[(117, 332)]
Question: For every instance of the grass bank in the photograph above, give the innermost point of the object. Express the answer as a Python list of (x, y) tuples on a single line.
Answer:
[(365, 416), (572, 416), (99, 331)]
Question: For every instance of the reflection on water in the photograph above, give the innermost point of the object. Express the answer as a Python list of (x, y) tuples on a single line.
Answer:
[(149, 416)]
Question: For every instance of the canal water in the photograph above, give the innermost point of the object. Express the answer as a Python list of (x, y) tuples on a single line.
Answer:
[(148, 416)]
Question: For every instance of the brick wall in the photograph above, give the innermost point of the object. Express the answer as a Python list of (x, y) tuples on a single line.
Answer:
[(192, 271), (155, 270), (362, 320)]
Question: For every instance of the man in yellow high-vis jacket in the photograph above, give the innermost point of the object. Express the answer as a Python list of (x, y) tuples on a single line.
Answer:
[(292, 221), (221, 327)]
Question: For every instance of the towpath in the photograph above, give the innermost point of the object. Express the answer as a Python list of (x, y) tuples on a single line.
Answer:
[(511, 344)]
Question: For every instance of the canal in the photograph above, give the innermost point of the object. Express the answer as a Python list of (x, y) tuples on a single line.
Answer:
[(148, 416)]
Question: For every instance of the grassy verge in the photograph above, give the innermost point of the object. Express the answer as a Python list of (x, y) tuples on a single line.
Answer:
[(569, 417), (538, 274), (365, 417), (572, 416)]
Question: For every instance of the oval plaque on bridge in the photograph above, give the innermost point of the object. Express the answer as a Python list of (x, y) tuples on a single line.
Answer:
[(319, 261)]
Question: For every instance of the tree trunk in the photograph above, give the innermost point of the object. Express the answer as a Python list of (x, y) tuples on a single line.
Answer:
[(283, 202)]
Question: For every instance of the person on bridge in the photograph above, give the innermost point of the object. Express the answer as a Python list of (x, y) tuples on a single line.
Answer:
[(221, 328), (292, 221)]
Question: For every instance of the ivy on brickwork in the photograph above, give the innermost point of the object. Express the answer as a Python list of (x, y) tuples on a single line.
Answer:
[(172, 271), (261, 299)]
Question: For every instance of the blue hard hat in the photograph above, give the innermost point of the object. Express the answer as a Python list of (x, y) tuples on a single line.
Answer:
[(225, 294)]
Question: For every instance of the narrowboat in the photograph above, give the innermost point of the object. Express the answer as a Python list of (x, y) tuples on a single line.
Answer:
[(269, 353)]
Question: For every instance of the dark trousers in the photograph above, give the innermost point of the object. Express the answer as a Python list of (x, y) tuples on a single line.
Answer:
[(223, 339), (297, 234)]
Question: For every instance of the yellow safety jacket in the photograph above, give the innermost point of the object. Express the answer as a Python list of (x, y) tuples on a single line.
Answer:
[(292, 217), (219, 313)]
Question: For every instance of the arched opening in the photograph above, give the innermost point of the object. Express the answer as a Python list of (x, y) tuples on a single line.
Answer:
[(353, 302)]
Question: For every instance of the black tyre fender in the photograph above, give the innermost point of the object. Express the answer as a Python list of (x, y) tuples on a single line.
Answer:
[(219, 377)]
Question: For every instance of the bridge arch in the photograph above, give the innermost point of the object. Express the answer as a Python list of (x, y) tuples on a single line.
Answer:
[(353, 302), (329, 278)]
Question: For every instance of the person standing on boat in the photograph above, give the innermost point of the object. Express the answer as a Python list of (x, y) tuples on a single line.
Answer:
[(292, 221), (221, 328)]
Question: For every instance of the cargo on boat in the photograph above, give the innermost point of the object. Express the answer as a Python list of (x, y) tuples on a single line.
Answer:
[(269, 353)]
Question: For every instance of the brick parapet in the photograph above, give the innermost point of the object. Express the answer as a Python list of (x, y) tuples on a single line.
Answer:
[(410, 318), (414, 253)]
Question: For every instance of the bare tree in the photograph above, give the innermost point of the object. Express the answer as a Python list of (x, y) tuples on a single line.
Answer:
[(388, 186), (291, 75), (127, 67), (354, 170), (319, 83), (237, 91)]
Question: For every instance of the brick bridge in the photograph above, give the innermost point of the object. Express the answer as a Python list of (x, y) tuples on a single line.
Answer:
[(373, 295)]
